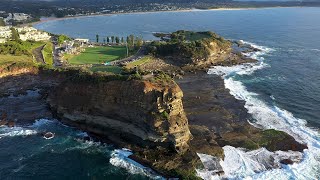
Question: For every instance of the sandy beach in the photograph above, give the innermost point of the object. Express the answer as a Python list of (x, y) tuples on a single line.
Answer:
[(46, 19)]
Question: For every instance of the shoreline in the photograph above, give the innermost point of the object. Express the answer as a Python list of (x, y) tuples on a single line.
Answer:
[(48, 19)]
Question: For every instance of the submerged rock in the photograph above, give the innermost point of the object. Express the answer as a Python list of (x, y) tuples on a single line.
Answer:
[(286, 161), (48, 135)]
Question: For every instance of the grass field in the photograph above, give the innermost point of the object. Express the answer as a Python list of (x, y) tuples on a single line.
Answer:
[(98, 55)]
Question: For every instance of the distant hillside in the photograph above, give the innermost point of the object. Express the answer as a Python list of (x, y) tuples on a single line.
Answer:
[(62, 8)]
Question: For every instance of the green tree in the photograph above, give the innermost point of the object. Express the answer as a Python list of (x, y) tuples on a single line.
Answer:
[(2, 23), (112, 39), (97, 38), (117, 40), (139, 42), (104, 40), (122, 40), (15, 35), (131, 41), (62, 38), (108, 40)]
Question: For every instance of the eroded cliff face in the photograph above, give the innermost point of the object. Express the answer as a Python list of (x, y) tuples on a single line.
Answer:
[(135, 111)]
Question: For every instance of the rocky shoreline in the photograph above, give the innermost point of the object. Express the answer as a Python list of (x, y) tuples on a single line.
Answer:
[(165, 121), (215, 119)]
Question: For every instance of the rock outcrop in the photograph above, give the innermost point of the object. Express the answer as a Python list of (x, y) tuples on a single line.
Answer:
[(135, 111)]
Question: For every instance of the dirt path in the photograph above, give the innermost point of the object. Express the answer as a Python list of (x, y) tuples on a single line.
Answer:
[(38, 54)]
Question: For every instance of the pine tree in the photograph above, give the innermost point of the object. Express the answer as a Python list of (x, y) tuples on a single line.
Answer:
[(15, 35), (97, 38), (117, 40), (112, 39)]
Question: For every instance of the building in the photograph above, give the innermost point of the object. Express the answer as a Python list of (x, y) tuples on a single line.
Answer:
[(5, 32), (17, 17), (25, 33), (81, 41), (35, 36), (2, 40)]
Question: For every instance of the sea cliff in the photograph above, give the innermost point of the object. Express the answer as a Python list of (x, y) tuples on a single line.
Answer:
[(166, 113), (136, 112)]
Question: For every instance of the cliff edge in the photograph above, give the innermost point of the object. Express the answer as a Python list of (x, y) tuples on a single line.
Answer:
[(136, 111)]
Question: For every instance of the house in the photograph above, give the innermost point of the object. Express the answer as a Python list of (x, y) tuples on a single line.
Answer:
[(5, 32), (2, 40), (81, 41)]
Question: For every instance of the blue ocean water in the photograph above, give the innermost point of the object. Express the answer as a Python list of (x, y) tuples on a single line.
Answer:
[(282, 91)]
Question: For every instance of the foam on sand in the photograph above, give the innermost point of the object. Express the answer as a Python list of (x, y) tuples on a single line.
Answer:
[(262, 164)]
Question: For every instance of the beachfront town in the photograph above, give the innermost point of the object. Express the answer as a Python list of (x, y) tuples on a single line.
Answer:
[(25, 33)]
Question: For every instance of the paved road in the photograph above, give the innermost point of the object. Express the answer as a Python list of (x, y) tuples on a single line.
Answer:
[(38, 54)]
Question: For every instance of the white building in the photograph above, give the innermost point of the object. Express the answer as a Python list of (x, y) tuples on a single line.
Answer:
[(17, 17), (25, 33), (26, 29), (5, 32), (2, 40), (31, 33), (81, 41), (35, 36)]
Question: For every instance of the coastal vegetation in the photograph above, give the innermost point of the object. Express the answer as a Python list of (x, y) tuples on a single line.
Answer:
[(62, 38), (144, 60), (187, 44)]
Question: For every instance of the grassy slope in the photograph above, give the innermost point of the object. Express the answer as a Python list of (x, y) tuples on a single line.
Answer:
[(98, 55), (25, 60), (10, 59), (103, 68), (139, 62)]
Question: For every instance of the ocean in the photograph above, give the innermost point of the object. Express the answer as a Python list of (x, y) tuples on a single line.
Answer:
[(281, 91)]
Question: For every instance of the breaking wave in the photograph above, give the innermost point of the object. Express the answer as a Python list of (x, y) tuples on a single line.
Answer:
[(15, 131), (261, 163), (120, 158)]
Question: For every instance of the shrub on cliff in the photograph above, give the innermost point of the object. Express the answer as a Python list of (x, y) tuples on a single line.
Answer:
[(188, 44)]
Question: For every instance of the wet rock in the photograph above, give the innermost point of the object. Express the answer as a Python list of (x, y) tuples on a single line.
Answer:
[(11, 123), (3, 122), (48, 135), (286, 161)]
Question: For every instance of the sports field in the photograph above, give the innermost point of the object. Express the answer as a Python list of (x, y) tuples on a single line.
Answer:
[(98, 55)]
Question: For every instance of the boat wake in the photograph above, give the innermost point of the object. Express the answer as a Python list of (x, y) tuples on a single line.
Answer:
[(261, 163)]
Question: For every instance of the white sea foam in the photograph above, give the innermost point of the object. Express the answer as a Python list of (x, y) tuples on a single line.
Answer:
[(16, 131), (41, 122), (120, 158), (239, 164)]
